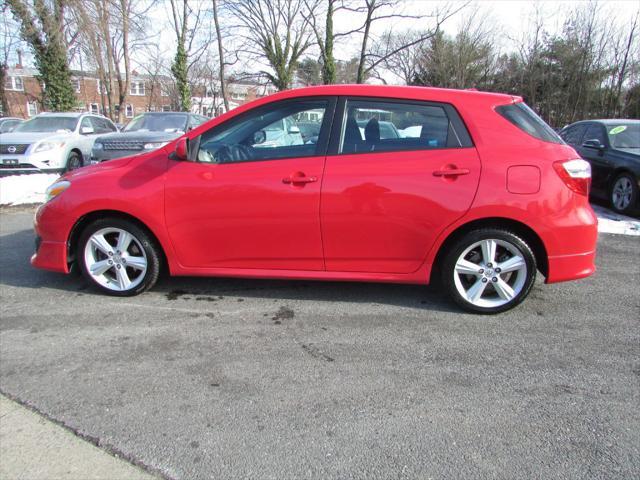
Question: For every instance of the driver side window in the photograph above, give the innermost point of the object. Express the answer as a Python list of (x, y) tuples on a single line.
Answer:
[(288, 129)]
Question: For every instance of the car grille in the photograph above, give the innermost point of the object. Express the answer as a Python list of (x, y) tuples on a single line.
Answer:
[(123, 145), (19, 148), (27, 166)]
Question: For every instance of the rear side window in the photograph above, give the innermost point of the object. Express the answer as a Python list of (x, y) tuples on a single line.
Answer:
[(526, 120), (387, 126), (573, 135)]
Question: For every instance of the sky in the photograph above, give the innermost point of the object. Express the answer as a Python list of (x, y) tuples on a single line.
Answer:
[(510, 18)]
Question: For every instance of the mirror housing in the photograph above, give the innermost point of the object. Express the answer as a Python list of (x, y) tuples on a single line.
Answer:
[(593, 143), (86, 130), (182, 149), (294, 129)]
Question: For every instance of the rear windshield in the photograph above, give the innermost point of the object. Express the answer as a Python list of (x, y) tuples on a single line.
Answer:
[(526, 120)]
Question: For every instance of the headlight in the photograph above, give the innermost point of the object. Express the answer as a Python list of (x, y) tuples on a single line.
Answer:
[(56, 189), (154, 145), (44, 146), (97, 146)]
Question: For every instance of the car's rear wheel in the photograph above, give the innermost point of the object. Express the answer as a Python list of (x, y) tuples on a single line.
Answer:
[(73, 161), (118, 257), (624, 193), (489, 271)]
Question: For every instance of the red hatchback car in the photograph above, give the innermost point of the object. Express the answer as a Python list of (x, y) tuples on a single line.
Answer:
[(351, 182)]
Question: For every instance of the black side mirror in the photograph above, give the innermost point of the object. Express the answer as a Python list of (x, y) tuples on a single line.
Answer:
[(593, 143)]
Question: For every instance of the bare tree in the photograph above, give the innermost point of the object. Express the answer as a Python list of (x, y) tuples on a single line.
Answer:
[(42, 27), (276, 31)]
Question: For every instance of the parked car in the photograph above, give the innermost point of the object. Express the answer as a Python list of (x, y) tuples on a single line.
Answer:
[(145, 132), (501, 198), (7, 124), (51, 142), (612, 147)]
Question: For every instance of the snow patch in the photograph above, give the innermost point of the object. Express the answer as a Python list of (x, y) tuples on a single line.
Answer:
[(611, 222), (24, 189)]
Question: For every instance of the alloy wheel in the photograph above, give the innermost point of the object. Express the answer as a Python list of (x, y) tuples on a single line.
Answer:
[(621, 193), (490, 273), (115, 259)]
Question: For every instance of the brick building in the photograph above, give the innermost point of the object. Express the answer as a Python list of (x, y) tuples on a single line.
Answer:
[(24, 93), (146, 94)]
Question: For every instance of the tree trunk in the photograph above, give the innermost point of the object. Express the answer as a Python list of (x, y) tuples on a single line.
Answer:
[(223, 81), (329, 63), (365, 39)]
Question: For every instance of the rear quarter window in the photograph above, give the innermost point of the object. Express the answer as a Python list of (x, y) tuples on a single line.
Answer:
[(529, 122)]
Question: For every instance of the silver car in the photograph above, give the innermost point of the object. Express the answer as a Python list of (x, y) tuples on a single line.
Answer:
[(52, 142)]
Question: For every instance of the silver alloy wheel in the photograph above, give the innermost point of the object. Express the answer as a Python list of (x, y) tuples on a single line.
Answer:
[(115, 259), (622, 192), (490, 273)]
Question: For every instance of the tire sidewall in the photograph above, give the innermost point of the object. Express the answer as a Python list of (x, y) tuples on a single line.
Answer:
[(451, 258), (70, 159), (150, 249)]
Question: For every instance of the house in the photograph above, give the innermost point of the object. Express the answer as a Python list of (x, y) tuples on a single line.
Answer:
[(146, 94)]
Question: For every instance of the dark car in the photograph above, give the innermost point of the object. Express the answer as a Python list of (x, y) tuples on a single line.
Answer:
[(612, 147), (7, 124), (144, 133)]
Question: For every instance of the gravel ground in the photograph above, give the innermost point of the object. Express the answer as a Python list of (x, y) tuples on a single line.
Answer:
[(220, 378)]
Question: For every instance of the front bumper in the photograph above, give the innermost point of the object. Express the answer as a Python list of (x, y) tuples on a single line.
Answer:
[(47, 161), (51, 227), (103, 155)]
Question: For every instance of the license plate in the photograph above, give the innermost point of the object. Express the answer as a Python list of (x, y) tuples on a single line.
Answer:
[(10, 161)]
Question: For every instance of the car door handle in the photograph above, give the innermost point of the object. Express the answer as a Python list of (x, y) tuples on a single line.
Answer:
[(299, 177), (451, 172)]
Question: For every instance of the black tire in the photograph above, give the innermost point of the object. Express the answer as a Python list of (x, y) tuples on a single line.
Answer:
[(522, 280), (627, 183), (74, 161), (142, 245)]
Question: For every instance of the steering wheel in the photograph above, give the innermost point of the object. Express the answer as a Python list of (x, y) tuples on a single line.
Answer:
[(234, 153)]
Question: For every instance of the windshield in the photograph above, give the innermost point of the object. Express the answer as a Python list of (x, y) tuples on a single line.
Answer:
[(171, 122), (48, 124), (624, 136)]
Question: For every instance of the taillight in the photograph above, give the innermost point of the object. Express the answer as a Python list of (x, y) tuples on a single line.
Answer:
[(576, 174)]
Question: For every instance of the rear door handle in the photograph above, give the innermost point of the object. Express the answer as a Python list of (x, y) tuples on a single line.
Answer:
[(298, 177), (451, 172)]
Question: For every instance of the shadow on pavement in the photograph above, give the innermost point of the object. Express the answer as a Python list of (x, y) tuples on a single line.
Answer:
[(15, 270)]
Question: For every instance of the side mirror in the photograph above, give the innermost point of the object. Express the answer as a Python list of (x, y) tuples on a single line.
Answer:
[(86, 130), (593, 143), (294, 129), (182, 149)]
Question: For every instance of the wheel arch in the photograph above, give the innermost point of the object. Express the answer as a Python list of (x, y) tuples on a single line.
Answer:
[(83, 221), (520, 229)]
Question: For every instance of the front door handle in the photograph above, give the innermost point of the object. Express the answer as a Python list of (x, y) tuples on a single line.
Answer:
[(298, 178), (451, 172)]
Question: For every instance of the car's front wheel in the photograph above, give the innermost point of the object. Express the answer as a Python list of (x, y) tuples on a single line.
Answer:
[(118, 256), (624, 193), (74, 161), (488, 270)]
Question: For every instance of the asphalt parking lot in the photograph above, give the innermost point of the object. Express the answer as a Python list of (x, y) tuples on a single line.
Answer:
[(220, 378)]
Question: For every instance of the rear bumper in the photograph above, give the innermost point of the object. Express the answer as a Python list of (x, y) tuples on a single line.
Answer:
[(563, 268)]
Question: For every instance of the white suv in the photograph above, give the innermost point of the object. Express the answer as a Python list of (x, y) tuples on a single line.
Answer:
[(52, 142)]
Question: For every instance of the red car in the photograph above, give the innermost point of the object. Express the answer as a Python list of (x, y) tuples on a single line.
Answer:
[(470, 187)]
